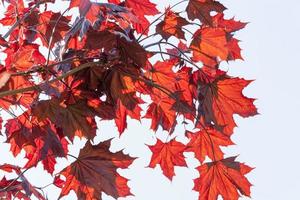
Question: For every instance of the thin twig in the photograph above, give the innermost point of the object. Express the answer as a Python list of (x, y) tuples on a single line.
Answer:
[(147, 28)]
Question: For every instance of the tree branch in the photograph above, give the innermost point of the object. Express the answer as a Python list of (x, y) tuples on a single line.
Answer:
[(36, 87)]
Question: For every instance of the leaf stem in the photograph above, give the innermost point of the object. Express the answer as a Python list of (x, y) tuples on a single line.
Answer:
[(147, 28), (20, 175)]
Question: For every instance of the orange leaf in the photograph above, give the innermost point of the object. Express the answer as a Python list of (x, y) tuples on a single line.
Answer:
[(210, 42), (172, 25), (24, 57)]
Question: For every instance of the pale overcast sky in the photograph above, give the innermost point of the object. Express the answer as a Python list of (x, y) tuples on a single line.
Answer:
[(270, 142)]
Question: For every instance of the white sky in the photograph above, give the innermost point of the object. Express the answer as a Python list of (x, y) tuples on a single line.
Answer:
[(269, 142)]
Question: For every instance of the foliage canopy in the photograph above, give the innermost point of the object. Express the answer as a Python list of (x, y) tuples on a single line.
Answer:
[(105, 60)]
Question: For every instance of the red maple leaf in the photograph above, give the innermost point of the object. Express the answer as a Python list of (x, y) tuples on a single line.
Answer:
[(40, 141), (15, 192), (15, 10), (167, 155), (47, 148), (176, 52), (207, 142), (53, 27), (163, 110), (201, 9), (121, 92), (25, 57), (229, 25), (172, 25), (87, 9), (122, 112), (128, 51), (13, 188), (209, 42), (221, 99), (95, 171), (104, 110), (74, 119), (19, 133), (140, 9), (102, 70), (162, 114), (160, 110), (25, 98), (224, 177)]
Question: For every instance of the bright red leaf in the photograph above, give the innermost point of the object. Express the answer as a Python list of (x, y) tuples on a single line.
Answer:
[(223, 98), (24, 57), (160, 111), (167, 155), (140, 9), (224, 177), (15, 9), (207, 142), (229, 25)]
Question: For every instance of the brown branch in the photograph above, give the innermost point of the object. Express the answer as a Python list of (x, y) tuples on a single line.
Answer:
[(179, 57), (20, 175), (36, 87)]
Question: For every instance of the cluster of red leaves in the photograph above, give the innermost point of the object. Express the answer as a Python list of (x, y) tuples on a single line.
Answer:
[(98, 65)]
